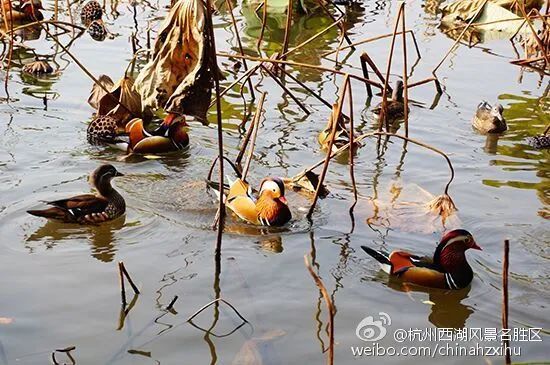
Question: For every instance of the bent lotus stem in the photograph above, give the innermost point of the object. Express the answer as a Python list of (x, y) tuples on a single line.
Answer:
[(336, 114), (255, 128), (371, 134)]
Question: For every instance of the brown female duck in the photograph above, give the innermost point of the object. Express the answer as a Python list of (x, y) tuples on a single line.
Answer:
[(489, 119), (395, 106), (24, 10), (107, 205)]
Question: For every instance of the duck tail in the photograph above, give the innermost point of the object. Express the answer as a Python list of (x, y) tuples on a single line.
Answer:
[(50, 213), (380, 256)]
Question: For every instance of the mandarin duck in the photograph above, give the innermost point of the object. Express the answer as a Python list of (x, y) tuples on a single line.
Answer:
[(395, 106), (341, 137), (107, 205), (447, 269), (489, 119), (170, 136), (25, 10), (271, 207)]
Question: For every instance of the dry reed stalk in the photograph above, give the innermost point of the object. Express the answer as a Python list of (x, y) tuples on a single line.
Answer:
[(366, 75), (286, 90), (342, 27), (299, 64), (383, 111), (214, 66), (57, 23), (170, 306), (330, 308), (288, 25), (365, 58), (405, 75), (264, 23), (122, 285), (457, 41), (505, 267), (308, 89), (241, 78), (230, 7), (256, 127), (125, 272), (372, 39), (310, 39), (351, 148), (336, 114), (535, 35)]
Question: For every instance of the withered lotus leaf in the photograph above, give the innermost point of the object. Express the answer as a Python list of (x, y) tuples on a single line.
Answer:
[(129, 105), (178, 77)]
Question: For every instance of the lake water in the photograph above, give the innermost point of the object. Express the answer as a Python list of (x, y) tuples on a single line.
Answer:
[(59, 282)]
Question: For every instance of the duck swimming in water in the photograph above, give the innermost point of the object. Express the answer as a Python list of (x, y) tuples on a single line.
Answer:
[(107, 205), (447, 269), (489, 119)]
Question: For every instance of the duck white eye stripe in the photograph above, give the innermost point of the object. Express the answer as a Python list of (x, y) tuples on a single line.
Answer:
[(453, 240)]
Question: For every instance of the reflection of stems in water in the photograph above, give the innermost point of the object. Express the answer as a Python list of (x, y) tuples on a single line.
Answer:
[(341, 26), (66, 351), (311, 39), (336, 115), (505, 265), (330, 307), (124, 311)]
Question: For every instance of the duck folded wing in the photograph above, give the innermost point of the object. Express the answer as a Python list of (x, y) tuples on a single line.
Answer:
[(86, 207), (402, 260), (424, 276)]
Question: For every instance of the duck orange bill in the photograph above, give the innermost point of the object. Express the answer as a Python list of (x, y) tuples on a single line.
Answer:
[(283, 200), (475, 246)]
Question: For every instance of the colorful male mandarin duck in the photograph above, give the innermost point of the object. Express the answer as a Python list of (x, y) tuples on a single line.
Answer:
[(395, 106), (107, 205), (489, 119), (271, 207), (448, 269), (24, 10), (170, 136)]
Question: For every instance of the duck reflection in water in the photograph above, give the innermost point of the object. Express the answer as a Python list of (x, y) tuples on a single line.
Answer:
[(447, 310), (101, 237)]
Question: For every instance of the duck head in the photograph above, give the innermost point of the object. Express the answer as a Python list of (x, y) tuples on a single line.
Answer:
[(101, 178), (397, 94), (489, 119), (32, 9), (450, 253), (274, 189)]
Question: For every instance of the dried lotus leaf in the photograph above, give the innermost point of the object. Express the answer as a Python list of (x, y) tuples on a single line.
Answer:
[(98, 92), (178, 78), (130, 102)]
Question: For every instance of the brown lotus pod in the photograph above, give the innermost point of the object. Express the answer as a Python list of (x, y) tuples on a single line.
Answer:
[(90, 12), (38, 68), (97, 30)]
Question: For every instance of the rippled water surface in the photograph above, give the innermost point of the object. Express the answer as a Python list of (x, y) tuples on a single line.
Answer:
[(59, 283)]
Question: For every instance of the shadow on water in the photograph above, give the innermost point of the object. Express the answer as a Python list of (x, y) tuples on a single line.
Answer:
[(526, 116), (447, 310), (102, 238)]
